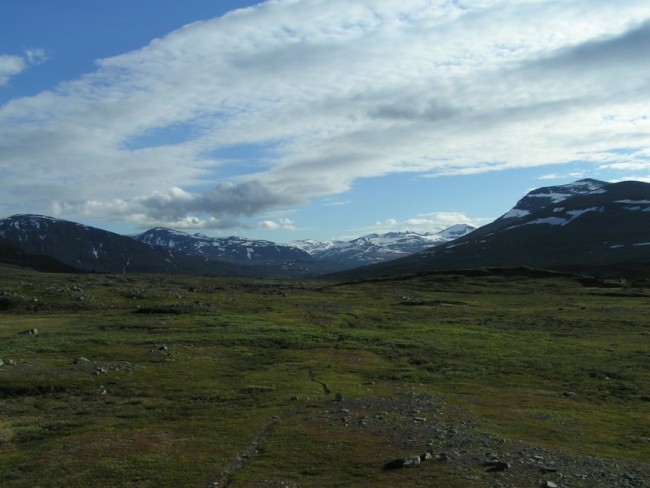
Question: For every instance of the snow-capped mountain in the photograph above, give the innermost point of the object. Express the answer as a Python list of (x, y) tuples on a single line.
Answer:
[(586, 226), (553, 195), (229, 249), (377, 248), (84, 248), (90, 249)]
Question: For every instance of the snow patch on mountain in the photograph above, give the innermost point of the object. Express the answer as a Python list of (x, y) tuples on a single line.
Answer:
[(376, 248), (515, 213), (231, 249), (552, 195)]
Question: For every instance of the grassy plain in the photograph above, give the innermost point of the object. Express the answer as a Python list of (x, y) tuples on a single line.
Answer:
[(195, 381)]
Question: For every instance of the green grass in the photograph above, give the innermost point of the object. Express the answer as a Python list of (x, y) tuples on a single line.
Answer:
[(503, 351)]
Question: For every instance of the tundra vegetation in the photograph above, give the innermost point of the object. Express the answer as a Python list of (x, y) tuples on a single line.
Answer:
[(491, 378)]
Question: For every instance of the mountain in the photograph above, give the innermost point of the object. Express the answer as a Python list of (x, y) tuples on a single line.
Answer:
[(588, 226), (54, 244), (230, 249), (378, 248), (551, 195), (263, 257), (91, 249), (10, 254)]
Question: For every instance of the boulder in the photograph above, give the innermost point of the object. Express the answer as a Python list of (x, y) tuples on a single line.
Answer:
[(411, 461), (28, 332)]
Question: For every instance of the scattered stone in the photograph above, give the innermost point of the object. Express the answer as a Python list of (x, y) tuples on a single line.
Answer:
[(1, 362), (570, 394), (338, 397), (10, 362), (80, 360), (419, 419), (426, 456), (548, 469), (549, 484), (28, 332)]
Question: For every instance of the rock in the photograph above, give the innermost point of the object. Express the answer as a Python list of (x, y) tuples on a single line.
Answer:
[(549, 484), (80, 360), (570, 394), (338, 397), (28, 332), (419, 419), (411, 461), (426, 456), (406, 462), (10, 362), (1, 362)]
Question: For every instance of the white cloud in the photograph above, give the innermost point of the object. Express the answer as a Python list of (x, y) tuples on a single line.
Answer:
[(341, 90), (428, 222), (10, 66), (269, 225), (36, 56), (281, 224)]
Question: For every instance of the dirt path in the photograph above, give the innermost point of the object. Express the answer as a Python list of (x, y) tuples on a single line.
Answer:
[(224, 477)]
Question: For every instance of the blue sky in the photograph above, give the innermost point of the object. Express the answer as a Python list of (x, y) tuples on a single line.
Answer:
[(325, 119)]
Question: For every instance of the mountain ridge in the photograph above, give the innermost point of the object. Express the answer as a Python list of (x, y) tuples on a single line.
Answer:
[(584, 227), (81, 247), (375, 248), (95, 250)]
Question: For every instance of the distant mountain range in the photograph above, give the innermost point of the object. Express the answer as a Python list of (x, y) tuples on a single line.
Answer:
[(63, 245), (378, 248), (588, 226), (90, 249)]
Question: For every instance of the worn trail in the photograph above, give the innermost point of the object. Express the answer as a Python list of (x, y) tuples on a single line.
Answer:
[(238, 462)]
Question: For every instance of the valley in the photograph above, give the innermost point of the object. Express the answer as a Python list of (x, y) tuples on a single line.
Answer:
[(501, 377)]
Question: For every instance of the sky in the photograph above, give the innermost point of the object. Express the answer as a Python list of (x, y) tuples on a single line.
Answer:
[(323, 119)]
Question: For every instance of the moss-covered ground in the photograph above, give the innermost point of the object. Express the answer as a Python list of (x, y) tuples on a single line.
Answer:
[(186, 381)]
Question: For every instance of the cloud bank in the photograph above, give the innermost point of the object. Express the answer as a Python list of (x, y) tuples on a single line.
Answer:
[(324, 93)]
